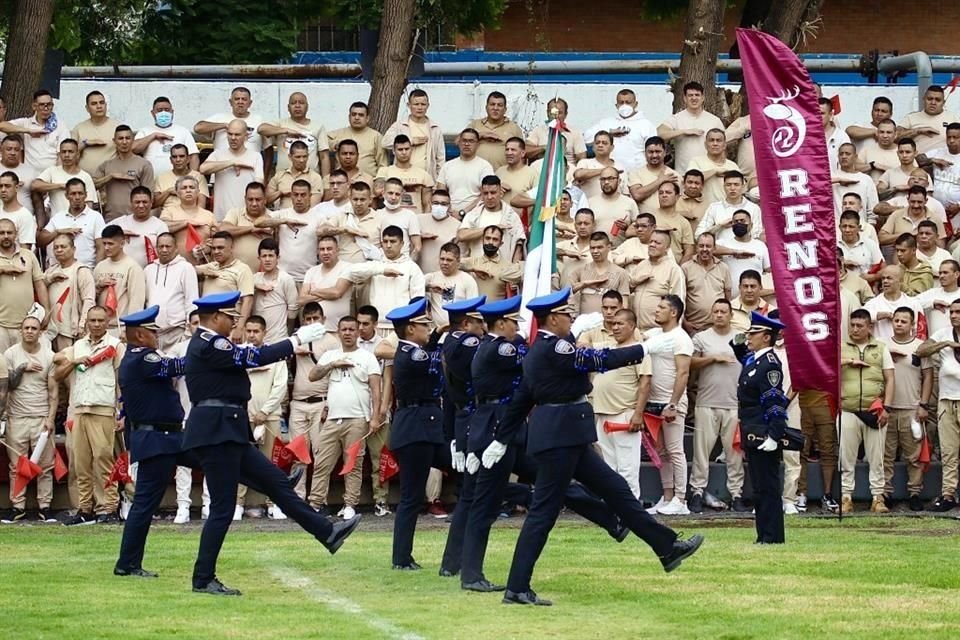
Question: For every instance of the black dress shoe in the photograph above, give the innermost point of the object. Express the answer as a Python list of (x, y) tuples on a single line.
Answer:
[(446, 573), (410, 566), (139, 572), (620, 532), (482, 585), (682, 549), (525, 597), (217, 588), (340, 532), (295, 476)]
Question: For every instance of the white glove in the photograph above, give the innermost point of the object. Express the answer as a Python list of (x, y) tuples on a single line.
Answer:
[(459, 460), (473, 463), (493, 453), (769, 444), (585, 322), (659, 343), (258, 432), (310, 332)]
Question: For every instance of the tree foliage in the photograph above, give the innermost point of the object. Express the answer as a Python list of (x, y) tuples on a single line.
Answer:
[(460, 16)]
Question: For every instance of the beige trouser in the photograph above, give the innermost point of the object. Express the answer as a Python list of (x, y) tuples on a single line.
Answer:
[(375, 444), (948, 428), (673, 472), (899, 435), (791, 459), (930, 428), (306, 417), (8, 338), (820, 429), (184, 483), (266, 447), (167, 339), (434, 485), (621, 449), (92, 461), (335, 437), (852, 432), (710, 423), (22, 435)]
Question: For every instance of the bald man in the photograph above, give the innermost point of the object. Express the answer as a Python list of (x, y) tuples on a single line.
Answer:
[(234, 168), (298, 126), (614, 212)]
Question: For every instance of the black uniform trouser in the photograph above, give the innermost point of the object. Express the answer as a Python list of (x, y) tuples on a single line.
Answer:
[(555, 469), (764, 470), (224, 465), (415, 461)]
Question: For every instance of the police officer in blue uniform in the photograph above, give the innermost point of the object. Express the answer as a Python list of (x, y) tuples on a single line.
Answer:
[(560, 437), (218, 430), (416, 435), (763, 419)]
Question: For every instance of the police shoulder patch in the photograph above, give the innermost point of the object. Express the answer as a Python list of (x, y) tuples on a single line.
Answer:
[(207, 335), (563, 347), (152, 357), (223, 344), (774, 377), (420, 355), (406, 348), (470, 341), (507, 349), (772, 357)]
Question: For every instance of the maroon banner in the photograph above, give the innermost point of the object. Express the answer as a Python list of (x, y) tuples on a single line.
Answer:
[(797, 203)]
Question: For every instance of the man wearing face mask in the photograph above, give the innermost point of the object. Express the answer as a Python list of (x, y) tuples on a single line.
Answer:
[(493, 273), (492, 211), (437, 227), (157, 141), (744, 252), (395, 214), (630, 130)]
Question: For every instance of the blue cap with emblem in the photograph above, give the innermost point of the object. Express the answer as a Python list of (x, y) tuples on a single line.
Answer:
[(222, 302), (555, 302), (414, 312), (143, 318), (760, 322), (508, 309), (466, 307)]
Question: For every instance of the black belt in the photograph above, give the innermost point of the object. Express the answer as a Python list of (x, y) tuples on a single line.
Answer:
[(166, 427), (314, 399), (220, 403), (419, 403), (564, 402)]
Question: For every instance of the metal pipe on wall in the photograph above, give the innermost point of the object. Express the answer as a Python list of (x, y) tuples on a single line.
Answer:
[(917, 61)]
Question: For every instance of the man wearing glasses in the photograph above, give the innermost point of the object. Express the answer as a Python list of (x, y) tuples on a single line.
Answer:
[(42, 132)]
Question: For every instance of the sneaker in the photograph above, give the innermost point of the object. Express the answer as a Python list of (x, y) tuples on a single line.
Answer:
[(125, 506), (943, 504), (801, 503), (80, 519), (183, 515), (676, 507), (347, 512), (205, 512), (916, 504), (381, 510), (237, 513), (322, 510), (790, 509), (44, 515), (739, 505), (655, 509), (846, 504), (879, 505), (827, 503), (14, 515), (108, 518), (253, 512), (275, 513), (713, 501), (437, 510), (695, 503)]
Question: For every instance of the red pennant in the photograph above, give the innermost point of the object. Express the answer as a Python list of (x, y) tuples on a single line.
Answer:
[(834, 406), (948, 228), (68, 425), (614, 427), (835, 104), (101, 356), (110, 301), (280, 456), (120, 473), (921, 326), (60, 468), (651, 448), (353, 452), (388, 466), (194, 239), (952, 85), (62, 300), (737, 442), (876, 408), (875, 269), (300, 448), (151, 251), (924, 459), (26, 471), (653, 424)]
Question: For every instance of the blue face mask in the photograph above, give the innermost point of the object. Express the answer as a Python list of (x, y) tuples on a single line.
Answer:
[(163, 119)]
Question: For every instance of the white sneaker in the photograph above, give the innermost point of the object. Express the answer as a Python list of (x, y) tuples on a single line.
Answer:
[(714, 502), (348, 512), (237, 513), (655, 509), (183, 515), (274, 513), (676, 507), (125, 506), (205, 512), (790, 509), (801, 503)]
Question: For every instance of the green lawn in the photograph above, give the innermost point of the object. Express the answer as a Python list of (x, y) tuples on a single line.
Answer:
[(867, 578)]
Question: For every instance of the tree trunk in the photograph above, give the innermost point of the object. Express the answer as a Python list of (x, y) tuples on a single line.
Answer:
[(23, 62), (794, 21), (391, 62), (698, 58)]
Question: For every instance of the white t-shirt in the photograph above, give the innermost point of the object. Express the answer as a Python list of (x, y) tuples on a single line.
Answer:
[(136, 246), (481, 218), (936, 320), (91, 225), (25, 222), (946, 181), (26, 173), (58, 198), (462, 179), (228, 186), (865, 252), (348, 395), (722, 212), (949, 367), (298, 244), (157, 152), (316, 278), (628, 149), (254, 139), (403, 218), (883, 329), (760, 261), (665, 369)]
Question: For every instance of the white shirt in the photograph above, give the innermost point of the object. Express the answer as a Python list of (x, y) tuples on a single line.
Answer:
[(157, 152), (865, 188), (883, 329), (946, 181), (628, 149), (387, 293), (298, 243), (254, 139), (229, 187), (462, 179), (91, 226), (834, 141), (348, 395), (949, 367), (760, 262), (939, 255), (720, 212), (319, 277), (481, 218), (864, 252), (26, 173), (25, 223), (665, 368), (936, 320), (136, 246)]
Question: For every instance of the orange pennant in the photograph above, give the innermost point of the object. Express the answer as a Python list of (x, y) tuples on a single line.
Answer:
[(653, 424), (194, 239), (60, 468), (120, 473), (60, 302), (737, 442), (300, 448), (924, 459), (388, 466), (352, 453), (110, 301), (26, 471)]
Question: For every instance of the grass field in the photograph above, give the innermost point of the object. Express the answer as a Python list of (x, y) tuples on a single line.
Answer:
[(867, 578)]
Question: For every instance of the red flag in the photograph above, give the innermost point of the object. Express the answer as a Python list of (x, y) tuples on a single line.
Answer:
[(194, 239), (924, 459), (60, 468), (614, 427), (300, 448), (110, 301), (68, 424), (26, 471), (875, 269), (62, 300), (653, 424), (793, 170), (921, 326), (149, 248), (835, 104), (737, 442), (388, 466), (120, 473), (352, 453), (651, 448), (876, 408), (952, 85), (280, 456)]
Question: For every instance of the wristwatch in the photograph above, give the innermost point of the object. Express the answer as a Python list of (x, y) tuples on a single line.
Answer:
[(671, 407)]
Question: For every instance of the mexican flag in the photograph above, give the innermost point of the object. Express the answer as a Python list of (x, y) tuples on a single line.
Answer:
[(541, 261)]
